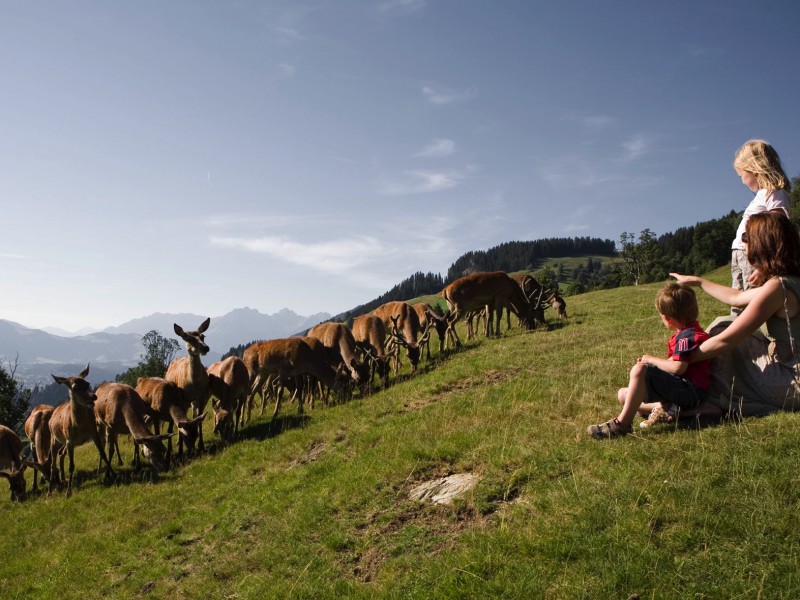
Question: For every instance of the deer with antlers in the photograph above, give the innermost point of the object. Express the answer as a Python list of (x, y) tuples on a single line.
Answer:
[(119, 410), (189, 374), (12, 467), (405, 330), (370, 335), (341, 346), (496, 290), (73, 424), (286, 359)]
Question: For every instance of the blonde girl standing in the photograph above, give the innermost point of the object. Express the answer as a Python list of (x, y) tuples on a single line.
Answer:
[(759, 166)]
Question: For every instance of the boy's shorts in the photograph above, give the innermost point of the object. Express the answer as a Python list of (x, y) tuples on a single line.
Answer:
[(671, 389)]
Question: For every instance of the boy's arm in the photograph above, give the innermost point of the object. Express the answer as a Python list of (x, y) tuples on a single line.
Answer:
[(675, 367)]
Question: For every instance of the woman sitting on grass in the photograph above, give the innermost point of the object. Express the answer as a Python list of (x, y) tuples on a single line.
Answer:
[(757, 353)]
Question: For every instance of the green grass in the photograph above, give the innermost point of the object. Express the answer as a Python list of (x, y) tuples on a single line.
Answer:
[(319, 507)]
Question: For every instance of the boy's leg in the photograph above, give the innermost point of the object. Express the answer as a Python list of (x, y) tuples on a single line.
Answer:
[(644, 409), (636, 394)]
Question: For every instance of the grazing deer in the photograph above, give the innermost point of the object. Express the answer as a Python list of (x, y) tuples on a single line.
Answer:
[(167, 404), (37, 428), (189, 374), (119, 410), (496, 290), (314, 385), (426, 314), (370, 335), (73, 424), (11, 463), (286, 359), (229, 382), (405, 330), (341, 346)]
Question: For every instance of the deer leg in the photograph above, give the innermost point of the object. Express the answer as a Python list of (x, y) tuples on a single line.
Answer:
[(278, 396)]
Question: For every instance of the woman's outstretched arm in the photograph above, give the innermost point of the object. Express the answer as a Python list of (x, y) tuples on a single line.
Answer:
[(767, 301), (723, 293)]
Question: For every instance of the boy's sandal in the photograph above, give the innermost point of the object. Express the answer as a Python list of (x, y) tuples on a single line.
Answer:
[(661, 415), (609, 429)]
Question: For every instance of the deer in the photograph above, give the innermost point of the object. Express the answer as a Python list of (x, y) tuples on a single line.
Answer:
[(120, 410), (228, 382), (73, 424), (37, 429), (370, 335), (427, 314), (286, 359), (166, 402), (11, 464), (405, 328), (538, 296), (496, 290), (189, 374), (314, 384), (341, 347)]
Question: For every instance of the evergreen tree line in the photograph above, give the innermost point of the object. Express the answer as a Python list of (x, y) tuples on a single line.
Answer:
[(522, 256)]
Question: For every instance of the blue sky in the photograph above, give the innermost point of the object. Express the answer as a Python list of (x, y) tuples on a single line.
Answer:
[(204, 156)]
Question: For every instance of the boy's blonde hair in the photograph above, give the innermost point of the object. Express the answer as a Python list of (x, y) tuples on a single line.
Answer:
[(760, 159), (677, 302)]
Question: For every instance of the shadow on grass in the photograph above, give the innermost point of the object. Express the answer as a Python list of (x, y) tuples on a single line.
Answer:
[(270, 429)]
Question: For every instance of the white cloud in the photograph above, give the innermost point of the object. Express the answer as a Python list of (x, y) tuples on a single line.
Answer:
[(438, 148), (635, 147), (287, 34), (403, 7), (335, 256), (442, 97), (287, 69), (10, 256), (422, 182)]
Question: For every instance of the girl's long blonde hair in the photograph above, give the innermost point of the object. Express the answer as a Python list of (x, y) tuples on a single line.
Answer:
[(760, 159)]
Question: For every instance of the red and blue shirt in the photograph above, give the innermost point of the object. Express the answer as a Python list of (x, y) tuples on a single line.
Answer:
[(680, 347)]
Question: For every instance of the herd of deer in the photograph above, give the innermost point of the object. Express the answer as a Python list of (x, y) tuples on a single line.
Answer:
[(331, 357)]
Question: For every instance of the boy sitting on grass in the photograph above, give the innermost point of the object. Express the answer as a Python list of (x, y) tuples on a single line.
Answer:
[(661, 386)]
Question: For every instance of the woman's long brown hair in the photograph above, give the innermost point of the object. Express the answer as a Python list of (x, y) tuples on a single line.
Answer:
[(773, 244)]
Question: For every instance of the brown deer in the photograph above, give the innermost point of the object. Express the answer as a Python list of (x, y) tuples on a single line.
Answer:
[(73, 424), (11, 463), (426, 314), (370, 335), (314, 385), (287, 359), (496, 290), (167, 403), (37, 429), (405, 330), (341, 346), (119, 410), (189, 374), (229, 382)]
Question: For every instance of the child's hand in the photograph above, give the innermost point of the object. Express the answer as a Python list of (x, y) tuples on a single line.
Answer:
[(647, 359), (757, 279)]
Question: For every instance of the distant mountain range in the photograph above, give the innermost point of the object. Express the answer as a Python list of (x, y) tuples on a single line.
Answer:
[(115, 349)]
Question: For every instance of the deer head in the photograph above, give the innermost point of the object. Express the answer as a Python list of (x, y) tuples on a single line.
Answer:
[(80, 391), (16, 481), (195, 340)]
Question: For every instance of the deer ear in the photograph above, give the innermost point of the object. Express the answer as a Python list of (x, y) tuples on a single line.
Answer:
[(178, 329), (204, 325)]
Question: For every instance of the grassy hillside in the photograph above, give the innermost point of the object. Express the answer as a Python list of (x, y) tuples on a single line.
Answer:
[(319, 507)]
